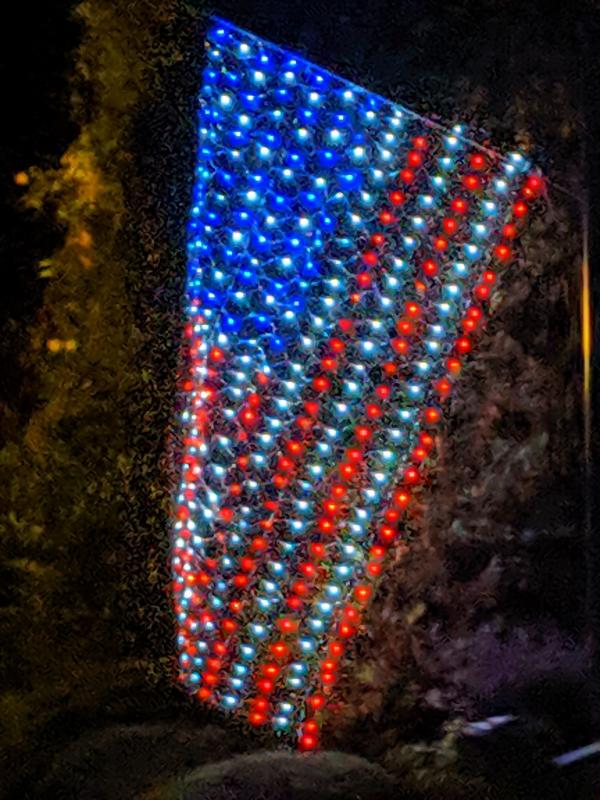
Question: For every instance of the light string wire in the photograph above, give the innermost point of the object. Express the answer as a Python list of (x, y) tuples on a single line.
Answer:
[(491, 152), (494, 155)]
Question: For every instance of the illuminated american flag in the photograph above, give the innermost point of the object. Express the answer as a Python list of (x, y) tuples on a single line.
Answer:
[(342, 253)]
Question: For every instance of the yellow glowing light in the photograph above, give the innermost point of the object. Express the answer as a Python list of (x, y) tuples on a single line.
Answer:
[(83, 239), (70, 345), (586, 349), (54, 345), (586, 325), (22, 178)]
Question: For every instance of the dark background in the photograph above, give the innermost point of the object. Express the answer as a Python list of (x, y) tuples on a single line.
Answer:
[(35, 64)]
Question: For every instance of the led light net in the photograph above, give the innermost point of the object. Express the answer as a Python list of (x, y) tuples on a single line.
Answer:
[(342, 254)]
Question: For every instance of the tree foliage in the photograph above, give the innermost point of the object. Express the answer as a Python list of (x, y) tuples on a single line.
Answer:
[(85, 493)]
